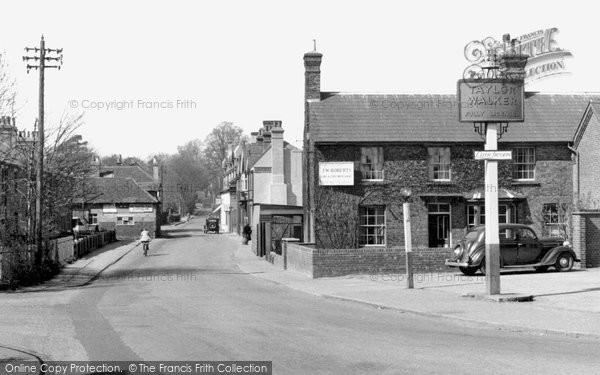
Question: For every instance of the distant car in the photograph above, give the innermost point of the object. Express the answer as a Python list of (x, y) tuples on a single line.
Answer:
[(212, 225), (519, 247)]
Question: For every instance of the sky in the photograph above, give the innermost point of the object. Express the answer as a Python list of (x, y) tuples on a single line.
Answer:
[(150, 75)]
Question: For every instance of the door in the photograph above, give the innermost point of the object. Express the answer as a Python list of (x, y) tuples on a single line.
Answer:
[(439, 224), (508, 247), (529, 249)]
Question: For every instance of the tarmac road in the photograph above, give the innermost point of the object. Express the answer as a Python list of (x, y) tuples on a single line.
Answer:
[(189, 301)]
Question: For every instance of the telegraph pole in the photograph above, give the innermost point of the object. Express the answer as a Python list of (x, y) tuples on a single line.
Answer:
[(55, 55)]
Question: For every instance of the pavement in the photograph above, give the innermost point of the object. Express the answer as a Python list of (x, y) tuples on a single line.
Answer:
[(560, 303)]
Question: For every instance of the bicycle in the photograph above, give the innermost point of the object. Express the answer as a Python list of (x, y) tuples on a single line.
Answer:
[(146, 247)]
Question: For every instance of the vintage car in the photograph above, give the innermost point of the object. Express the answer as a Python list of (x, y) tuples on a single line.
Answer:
[(212, 225), (519, 247)]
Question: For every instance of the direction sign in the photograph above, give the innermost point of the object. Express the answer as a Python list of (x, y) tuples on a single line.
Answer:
[(492, 155)]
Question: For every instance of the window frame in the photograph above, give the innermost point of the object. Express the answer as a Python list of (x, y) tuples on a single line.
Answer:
[(129, 222), (527, 164), (367, 171), (444, 167), (376, 226)]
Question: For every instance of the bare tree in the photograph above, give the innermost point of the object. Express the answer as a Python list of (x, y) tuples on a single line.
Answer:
[(225, 134)]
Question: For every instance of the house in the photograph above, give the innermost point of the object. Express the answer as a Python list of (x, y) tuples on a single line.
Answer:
[(275, 180), (16, 156), (122, 197), (586, 171), (228, 208), (120, 203), (386, 149)]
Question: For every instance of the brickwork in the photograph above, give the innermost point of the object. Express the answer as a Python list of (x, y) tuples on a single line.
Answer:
[(586, 238), (406, 166), (317, 263), (589, 165)]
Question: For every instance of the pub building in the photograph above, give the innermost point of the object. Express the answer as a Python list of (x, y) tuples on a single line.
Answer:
[(383, 150)]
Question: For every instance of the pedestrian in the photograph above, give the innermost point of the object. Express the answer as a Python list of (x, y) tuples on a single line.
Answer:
[(247, 233)]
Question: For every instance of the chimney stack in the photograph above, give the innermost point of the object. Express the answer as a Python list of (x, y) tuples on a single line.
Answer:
[(279, 189), (253, 136), (312, 75), (155, 173)]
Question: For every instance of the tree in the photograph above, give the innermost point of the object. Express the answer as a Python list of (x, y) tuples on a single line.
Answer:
[(184, 176), (216, 143)]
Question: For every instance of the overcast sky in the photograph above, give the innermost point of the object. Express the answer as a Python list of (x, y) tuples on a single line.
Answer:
[(241, 61)]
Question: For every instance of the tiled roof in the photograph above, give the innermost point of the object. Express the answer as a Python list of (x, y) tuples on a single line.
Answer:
[(340, 117), (117, 190), (128, 171)]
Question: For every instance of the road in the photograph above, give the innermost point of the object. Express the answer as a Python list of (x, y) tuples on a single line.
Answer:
[(189, 301)]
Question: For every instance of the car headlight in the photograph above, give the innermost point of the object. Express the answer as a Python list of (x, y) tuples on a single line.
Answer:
[(567, 243), (457, 252)]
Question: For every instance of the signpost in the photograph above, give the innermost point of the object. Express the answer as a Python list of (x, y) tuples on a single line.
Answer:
[(492, 103)]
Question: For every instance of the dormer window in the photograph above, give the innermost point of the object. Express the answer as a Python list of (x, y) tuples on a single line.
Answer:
[(371, 163)]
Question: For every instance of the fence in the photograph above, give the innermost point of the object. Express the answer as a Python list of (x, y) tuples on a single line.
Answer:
[(18, 259)]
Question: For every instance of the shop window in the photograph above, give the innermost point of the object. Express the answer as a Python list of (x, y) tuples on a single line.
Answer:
[(439, 163), (371, 163), (125, 220), (372, 225), (524, 163)]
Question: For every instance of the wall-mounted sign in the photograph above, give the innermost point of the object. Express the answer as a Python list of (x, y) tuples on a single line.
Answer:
[(493, 155), (109, 208), (336, 173), (492, 100), (141, 208)]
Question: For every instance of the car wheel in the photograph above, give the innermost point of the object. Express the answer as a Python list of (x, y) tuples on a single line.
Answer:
[(541, 268), (468, 271), (564, 262)]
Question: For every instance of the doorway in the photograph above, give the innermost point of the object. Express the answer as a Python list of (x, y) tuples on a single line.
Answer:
[(439, 224)]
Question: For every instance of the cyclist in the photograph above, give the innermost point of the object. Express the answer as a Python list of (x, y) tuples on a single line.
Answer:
[(145, 240)]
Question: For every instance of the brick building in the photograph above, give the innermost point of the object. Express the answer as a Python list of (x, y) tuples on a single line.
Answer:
[(415, 142), (126, 198)]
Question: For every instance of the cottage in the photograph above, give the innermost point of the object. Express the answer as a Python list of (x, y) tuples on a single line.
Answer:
[(412, 148)]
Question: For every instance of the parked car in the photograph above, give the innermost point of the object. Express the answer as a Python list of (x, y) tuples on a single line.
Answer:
[(212, 225), (519, 247)]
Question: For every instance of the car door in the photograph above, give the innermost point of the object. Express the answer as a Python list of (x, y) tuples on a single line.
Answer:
[(528, 246), (508, 246)]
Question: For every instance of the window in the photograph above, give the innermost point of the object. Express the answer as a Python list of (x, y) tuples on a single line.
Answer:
[(552, 219), (476, 214), (372, 225), (371, 163), (439, 163), (524, 163), (244, 182), (125, 220), (94, 219)]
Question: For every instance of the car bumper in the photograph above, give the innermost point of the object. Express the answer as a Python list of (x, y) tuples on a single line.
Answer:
[(453, 263)]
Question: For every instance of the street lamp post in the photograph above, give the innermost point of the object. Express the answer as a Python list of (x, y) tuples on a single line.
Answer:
[(406, 193)]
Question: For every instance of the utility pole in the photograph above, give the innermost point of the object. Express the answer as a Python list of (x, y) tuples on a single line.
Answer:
[(55, 55)]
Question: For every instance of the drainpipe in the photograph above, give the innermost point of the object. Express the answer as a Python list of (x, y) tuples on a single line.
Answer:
[(577, 190)]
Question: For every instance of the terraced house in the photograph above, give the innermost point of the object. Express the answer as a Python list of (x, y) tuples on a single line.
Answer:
[(399, 148)]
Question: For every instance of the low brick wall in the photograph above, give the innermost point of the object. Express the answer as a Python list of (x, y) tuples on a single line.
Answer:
[(304, 258), (586, 238)]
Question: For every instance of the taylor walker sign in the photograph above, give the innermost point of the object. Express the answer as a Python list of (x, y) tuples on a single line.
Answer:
[(493, 100), (336, 173), (546, 58)]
